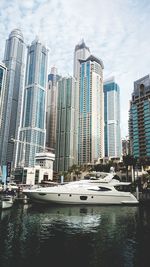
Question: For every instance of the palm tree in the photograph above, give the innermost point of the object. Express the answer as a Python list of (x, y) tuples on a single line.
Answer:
[(72, 168), (129, 160), (126, 161), (143, 162), (75, 169), (77, 172)]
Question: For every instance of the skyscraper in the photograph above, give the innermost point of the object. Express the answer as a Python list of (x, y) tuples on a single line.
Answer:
[(66, 131), (51, 109), (81, 52), (33, 131), (14, 61), (139, 118), (3, 73), (91, 110), (112, 119)]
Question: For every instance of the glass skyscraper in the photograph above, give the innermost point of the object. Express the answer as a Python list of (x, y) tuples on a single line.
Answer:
[(112, 119), (32, 133), (81, 52), (139, 118), (3, 73), (67, 121), (51, 109), (91, 111), (14, 61)]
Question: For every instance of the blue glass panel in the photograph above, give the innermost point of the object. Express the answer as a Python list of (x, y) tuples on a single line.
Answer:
[(28, 106), (1, 79), (42, 70), (88, 87), (31, 68), (82, 89), (40, 111)]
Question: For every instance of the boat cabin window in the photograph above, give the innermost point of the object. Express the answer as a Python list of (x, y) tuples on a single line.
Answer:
[(123, 188), (100, 188), (104, 188)]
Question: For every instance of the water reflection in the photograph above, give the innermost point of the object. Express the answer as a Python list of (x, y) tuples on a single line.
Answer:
[(71, 218), (5, 214), (72, 236)]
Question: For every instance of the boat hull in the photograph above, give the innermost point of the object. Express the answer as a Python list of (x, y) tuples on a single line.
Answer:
[(86, 199)]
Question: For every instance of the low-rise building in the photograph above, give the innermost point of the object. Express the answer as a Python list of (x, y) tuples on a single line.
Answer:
[(42, 171)]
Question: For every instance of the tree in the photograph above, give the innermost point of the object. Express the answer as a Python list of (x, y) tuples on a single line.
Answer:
[(75, 169), (143, 162), (129, 160)]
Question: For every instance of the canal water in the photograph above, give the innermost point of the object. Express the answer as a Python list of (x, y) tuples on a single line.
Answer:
[(99, 236)]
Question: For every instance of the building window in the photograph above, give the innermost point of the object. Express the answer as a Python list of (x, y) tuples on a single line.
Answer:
[(45, 177), (142, 89), (36, 176)]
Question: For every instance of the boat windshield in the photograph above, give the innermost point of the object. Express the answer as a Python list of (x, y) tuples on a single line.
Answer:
[(96, 176), (123, 188)]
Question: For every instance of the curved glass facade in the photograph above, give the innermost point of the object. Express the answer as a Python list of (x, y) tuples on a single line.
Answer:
[(91, 113), (139, 122), (33, 130), (14, 61)]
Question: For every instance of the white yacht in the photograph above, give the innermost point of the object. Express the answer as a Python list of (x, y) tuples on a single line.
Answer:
[(94, 191)]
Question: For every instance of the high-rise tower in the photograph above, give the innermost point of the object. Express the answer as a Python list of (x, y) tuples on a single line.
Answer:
[(112, 119), (66, 131), (33, 129), (139, 119), (51, 109), (91, 110), (3, 73), (14, 61), (81, 52)]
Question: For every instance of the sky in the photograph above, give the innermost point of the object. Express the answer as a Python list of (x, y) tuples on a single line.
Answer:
[(116, 31)]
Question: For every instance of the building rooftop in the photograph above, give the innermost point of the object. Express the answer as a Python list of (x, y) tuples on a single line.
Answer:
[(81, 45), (16, 33), (109, 80), (93, 58), (45, 155), (141, 86)]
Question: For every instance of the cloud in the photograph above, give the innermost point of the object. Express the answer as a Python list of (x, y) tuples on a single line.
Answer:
[(116, 31)]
